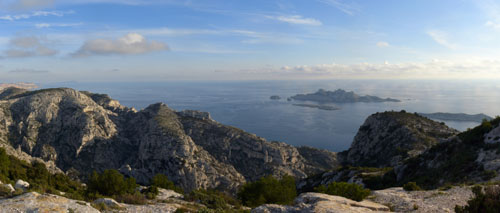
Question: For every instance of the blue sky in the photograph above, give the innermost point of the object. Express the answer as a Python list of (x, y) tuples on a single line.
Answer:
[(153, 40)]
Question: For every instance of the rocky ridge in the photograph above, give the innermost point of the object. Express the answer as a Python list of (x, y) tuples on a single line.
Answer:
[(82, 131)]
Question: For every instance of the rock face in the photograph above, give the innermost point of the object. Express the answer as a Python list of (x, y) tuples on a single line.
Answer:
[(385, 139), (82, 131), (34, 202), (322, 203), (339, 96)]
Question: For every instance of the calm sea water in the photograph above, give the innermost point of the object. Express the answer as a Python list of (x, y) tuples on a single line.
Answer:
[(246, 104)]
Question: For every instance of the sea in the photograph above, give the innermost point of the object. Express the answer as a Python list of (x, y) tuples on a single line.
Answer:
[(247, 104)]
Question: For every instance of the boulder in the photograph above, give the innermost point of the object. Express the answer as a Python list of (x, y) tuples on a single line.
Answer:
[(10, 187), (21, 184), (108, 202), (317, 202)]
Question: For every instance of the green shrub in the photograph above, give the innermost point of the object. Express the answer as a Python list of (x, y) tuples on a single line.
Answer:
[(268, 190), (136, 198), (213, 199), (482, 202), (348, 190), (162, 181), (411, 186), (151, 192), (4, 164), (110, 183)]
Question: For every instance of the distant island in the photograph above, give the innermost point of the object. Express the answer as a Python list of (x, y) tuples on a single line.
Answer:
[(339, 96), (275, 97), (322, 107), (456, 116)]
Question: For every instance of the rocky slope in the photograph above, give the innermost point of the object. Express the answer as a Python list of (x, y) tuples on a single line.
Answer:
[(386, 139), (82, 131)]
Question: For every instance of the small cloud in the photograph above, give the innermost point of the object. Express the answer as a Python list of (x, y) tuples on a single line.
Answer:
[(382, 44), (131, 43), (35, 14), (441, 38), (296, 19), (29, 71), (48, 25), (349, 9), (28, 46)]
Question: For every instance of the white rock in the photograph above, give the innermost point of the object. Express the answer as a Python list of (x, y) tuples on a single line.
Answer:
[(164, 194), (21, 184), (9, 186)]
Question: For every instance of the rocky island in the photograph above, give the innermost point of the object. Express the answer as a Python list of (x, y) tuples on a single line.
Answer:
[(275, 97), (478, 118), (339, 96), (54, 140)]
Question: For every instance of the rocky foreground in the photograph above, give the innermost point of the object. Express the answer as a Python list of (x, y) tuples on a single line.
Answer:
[(392, 199)]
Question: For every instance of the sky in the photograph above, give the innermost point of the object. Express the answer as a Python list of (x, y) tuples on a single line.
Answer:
[(46, 41)]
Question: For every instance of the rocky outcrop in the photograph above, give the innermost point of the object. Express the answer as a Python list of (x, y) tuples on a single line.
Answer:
[(35, 202), (423, 201), (322, 203), (388, 138), (83, 131)]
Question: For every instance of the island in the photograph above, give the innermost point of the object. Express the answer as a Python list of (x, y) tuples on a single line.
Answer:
[(339, 96), (457, 117), (275, 97), (20, 85), (322, 107)]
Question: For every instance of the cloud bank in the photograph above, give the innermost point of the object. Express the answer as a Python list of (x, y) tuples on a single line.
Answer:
[(132, 43), (28, 46), (296, 19)]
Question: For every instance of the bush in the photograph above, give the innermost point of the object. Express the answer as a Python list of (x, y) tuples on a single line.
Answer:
[(162, 181), (151, 192), (268, 190), (348, 190), (4, 164), (110, 183), (483, 202), (136, 198), (411, 186)]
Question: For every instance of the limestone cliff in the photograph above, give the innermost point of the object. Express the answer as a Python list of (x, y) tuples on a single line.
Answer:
[(83, 131), (386, 139)]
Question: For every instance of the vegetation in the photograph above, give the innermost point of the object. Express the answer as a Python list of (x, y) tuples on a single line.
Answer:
[(268, 190), (411, 186), (484, 202), (161, 181), (348, 190), (110, 183)]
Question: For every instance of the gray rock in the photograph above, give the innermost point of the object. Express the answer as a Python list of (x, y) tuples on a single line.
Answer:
[(9, 187), (322, 203), (108, 202), (164, 194), (35, 202)]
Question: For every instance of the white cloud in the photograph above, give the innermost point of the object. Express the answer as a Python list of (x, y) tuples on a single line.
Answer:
[(48, 25), (441, 38), (296, 19), (35, 14), (349, 9), (132, 43), (435, 69), (382, 44), (28, 46)]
